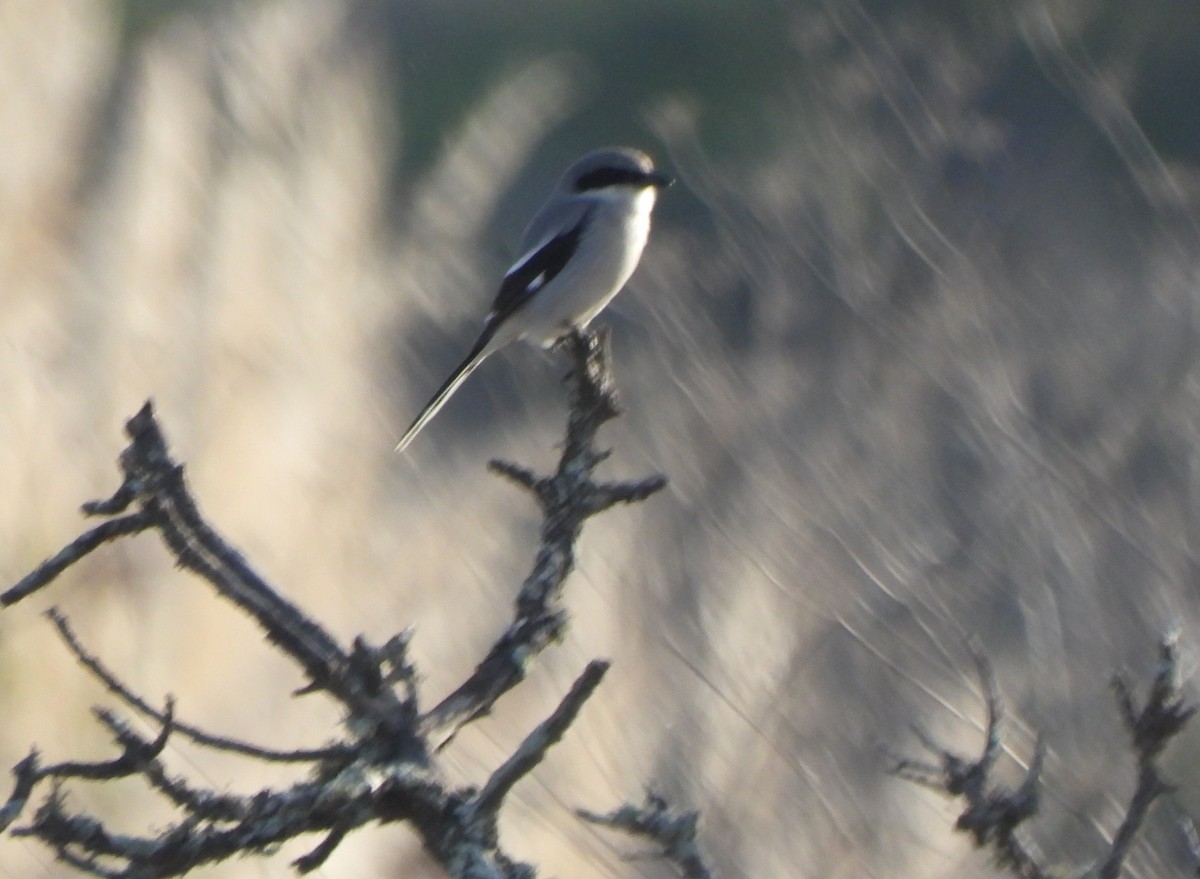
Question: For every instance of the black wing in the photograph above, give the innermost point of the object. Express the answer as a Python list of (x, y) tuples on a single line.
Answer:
[(535, 271)]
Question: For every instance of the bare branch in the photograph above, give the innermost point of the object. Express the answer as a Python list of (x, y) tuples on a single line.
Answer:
[(156, 483), (197, 735), (567, 499), (47, 571), (1162, 718), (674, 831), (28, 774), (319, 855), (532, 751), (384, 769), (612, 493), (993, 815), (522, 476)]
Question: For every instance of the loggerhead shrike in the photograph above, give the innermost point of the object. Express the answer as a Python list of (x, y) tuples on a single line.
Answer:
[(577, 254)]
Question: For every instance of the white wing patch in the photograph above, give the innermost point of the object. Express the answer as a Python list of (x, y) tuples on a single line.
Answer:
[(526, 257)]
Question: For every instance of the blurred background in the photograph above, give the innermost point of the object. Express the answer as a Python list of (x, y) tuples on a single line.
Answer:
[(915, 341)]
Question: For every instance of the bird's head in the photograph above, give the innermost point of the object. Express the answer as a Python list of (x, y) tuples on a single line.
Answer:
[(613, 169)]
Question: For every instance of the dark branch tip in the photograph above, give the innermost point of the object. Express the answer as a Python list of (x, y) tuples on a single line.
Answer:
[(141, 421), (522, 476)]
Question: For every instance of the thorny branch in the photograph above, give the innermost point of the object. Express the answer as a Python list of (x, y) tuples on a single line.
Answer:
[(382, 767), (1162, 718), (993, 814), (567, 499), (156, 484), (197, 735)]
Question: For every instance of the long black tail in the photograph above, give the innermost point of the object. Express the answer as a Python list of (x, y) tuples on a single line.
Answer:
[(478, 353)]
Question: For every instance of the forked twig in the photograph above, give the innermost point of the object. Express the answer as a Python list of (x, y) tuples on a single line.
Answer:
[(993, 814), (382, 766)]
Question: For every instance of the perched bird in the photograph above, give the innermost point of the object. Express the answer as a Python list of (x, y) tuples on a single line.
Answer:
[(577, 254)]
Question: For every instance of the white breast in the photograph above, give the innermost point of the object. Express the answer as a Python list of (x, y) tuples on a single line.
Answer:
[(608, 253)]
